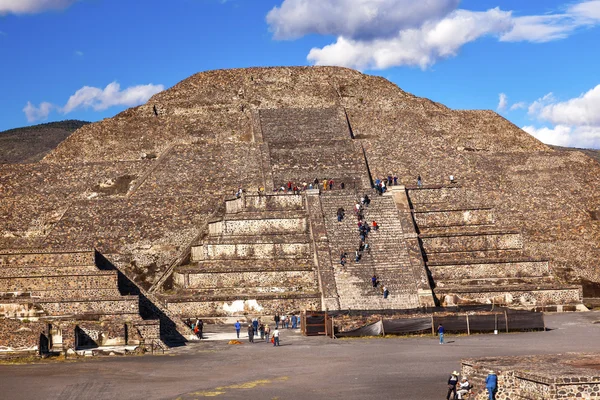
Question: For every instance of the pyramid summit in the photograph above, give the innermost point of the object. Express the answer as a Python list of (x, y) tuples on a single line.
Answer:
[(151, 193)]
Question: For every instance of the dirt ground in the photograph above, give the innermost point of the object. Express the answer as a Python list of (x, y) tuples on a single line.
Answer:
[(302, 368)]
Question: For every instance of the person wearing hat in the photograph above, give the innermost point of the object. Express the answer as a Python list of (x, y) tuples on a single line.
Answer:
[(452, 381), (464, 387), (491, 384)]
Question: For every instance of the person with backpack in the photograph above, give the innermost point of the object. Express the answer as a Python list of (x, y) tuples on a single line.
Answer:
[(452, 382)]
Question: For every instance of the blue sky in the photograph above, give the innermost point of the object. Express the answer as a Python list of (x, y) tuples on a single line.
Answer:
[(90, 59)]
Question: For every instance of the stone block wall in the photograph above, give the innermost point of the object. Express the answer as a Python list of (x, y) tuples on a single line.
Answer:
[(250, 250), (47, 259), (242, 306), (99, 280), (265, 203), (482, 271), (456, 243), (118, 305), (430, 219), (526, 296), (306, 125), (549, 377), (16, 335), (304, 279), (267, 226)]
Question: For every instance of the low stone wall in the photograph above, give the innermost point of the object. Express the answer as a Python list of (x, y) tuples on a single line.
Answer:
[(432, 219), (448, 243), (548, 377), (525, 297), (439, 194), (241, 307), (481, 271), (47, 259), (124, 304), (102, 279), (250, 250), (264, 203), (258, 226), (6, 272), (16, 335), (246, 279)]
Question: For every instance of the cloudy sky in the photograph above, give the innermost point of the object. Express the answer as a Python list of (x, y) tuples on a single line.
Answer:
[(535, 62)]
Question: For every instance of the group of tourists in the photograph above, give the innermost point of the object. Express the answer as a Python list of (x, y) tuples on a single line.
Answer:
[(197, 326), (458, 389), (297, 188), (364, 229), (257, 328)]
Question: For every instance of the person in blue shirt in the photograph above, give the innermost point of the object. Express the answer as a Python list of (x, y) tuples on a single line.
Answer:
[(441, 333), (237, 326), (491, 384)]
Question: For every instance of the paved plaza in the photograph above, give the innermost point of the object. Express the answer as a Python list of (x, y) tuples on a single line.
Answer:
[(302, 368)]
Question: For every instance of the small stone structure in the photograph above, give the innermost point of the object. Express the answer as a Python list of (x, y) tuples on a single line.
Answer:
[(548, 377), (61, 301)]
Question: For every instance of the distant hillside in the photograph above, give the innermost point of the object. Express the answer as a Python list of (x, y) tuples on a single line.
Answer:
[(595, 154), (32, 143)]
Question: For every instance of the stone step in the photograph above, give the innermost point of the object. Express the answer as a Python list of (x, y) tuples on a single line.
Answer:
[(64, 293), (215, 293), (470, 243), (470, 270), (20, 258), (258, 227), (472, 256), (244, 265), (267, 202), (510, 295), (494, 281), (295, 237), (264, 250), (86, 280), (51, 270), (247, 280), (58, 307)]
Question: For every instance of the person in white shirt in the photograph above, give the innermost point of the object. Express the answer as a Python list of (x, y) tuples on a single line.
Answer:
[(276, 337), (463, 388)]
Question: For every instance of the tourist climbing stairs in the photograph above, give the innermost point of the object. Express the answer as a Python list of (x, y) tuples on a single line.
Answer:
[(386, 257)]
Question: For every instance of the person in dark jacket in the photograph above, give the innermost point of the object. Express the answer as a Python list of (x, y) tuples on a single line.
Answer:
[(276, 319), (491, 384), (250, 333), (452, 381)]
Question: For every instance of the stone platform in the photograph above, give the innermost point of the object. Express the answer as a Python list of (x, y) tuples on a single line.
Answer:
[(548, 377)]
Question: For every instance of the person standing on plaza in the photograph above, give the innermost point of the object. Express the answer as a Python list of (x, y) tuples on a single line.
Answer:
[(261, 330), (294, 321), (441, 333), (267, 332), (250, 333), (452, 382), (491, 384), (255, 326), (238, 327), (276, 337), (276, 319)]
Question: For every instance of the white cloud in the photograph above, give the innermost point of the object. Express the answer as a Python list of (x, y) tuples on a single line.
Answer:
[(502, 102), (32, 6), (576, 121), (96, 98), (518, 106), (540, 28), (356, 19), (111, 95), (416, 47), (79, 53), (584, 137), (34, 113), (582, 110), (379, 34)]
